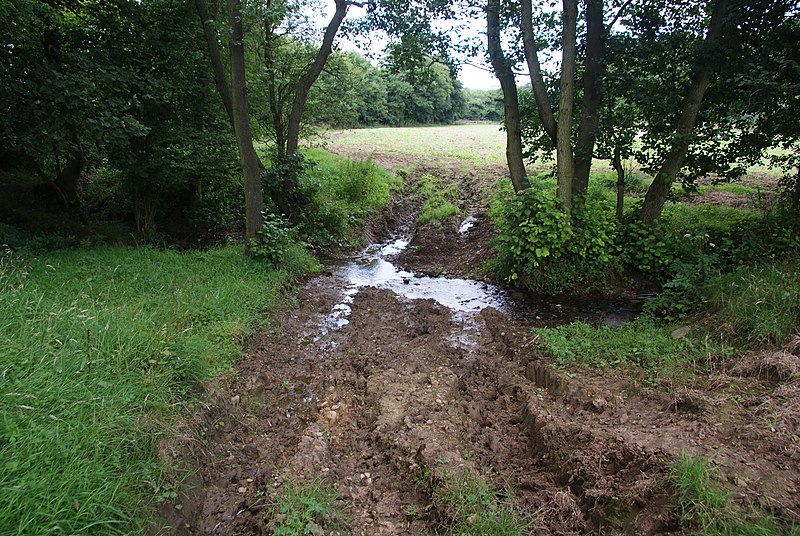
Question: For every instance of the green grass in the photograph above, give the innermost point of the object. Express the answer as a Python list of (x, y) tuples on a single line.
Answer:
[(305, 509), (638, 343), (440, 199), (731, 188), (361, 184), (706, 507), (481, 144), (100, 351), (476, 509), (761, 304)]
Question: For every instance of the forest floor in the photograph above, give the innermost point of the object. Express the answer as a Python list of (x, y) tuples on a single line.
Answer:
[(410, 409)]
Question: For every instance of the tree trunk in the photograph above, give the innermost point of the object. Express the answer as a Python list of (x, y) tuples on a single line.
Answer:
[(657, 192), (220, 80), (565, 165), (67, 179), (310, 76), (503, 72), (540, 95), (251, 165), (796, 201), (616, 162), (592, 98)]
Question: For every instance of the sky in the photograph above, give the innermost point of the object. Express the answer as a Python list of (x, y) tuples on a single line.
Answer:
[(474, 78)]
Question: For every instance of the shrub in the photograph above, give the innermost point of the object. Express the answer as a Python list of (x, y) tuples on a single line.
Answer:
[(542, 248), (273, 240)]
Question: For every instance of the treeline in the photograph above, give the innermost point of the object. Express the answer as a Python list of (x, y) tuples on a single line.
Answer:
[(352, 92)]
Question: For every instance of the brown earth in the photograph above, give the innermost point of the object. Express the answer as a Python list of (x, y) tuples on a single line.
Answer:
[(406, 397)]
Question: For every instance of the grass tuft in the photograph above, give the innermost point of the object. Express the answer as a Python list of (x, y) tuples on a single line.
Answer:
[(761, 304), (305, 509), (439, 198), (706, 508), (474, 508)]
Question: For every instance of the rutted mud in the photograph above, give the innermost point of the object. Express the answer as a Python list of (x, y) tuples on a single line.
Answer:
[(381, 391)]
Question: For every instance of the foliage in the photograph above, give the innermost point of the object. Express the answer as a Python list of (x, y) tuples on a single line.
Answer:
[(273, 241), (101, 349), (332, 194), (542, 248), (305, 509), (439, 199), (706, 507), (761, 304), (640, 343)]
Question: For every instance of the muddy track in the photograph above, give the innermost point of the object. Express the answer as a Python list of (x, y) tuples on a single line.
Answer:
[(406, 395)]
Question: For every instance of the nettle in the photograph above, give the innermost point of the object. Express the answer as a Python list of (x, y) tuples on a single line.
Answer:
[(273, 240)]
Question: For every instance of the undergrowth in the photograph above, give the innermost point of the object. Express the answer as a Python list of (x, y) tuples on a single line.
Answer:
[(706, 508), (100, 350)]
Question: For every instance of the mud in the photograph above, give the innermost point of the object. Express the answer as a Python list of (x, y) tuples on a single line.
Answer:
[(383, 394)]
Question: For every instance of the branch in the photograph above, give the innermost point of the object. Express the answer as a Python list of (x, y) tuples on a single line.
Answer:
[(620, 11)]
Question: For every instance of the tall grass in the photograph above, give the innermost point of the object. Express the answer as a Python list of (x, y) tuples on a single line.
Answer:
[(761, 304), (707, 508), (100, 349)]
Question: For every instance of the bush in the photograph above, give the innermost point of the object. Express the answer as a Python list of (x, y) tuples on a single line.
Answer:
[(541, 248), (273, 240)]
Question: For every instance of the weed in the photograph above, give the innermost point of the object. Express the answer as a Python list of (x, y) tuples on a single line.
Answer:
[(305, 509)]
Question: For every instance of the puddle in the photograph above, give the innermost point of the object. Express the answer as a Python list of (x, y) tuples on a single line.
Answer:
[(466, 225), (372, 269)]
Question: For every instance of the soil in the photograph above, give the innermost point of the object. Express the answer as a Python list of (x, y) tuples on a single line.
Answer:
[(408, 395)]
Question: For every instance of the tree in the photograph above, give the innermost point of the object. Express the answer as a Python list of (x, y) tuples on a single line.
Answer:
[(63, 77)]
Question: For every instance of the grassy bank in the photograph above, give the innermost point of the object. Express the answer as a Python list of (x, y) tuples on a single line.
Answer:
[(100, 350)]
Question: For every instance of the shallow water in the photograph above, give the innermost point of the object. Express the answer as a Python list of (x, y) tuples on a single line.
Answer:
[(372, 269)]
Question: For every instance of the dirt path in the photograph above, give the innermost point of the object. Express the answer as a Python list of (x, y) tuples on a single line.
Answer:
[(406, 397)]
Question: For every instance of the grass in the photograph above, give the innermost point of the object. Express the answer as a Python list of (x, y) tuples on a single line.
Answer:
[(761, 304), (305, 509), (640, 343), (481, 144), (100, 351), (475, 509), (439, 198), (706, 507)]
